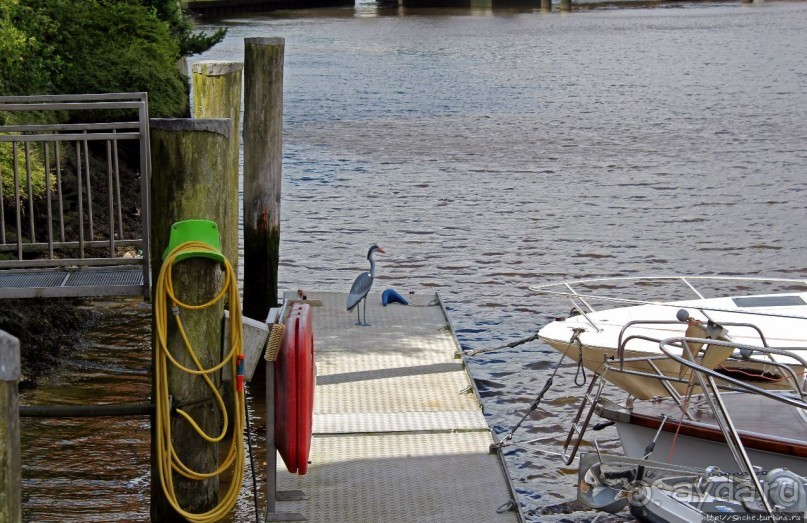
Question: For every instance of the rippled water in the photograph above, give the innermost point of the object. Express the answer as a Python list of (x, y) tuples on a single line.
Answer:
[(490, 150)]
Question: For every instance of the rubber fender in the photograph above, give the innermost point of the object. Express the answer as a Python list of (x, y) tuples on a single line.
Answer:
[(295, 381)]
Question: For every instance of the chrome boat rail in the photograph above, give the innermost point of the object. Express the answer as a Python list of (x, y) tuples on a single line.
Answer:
[(583, 293), (678, 349), (706, 378)]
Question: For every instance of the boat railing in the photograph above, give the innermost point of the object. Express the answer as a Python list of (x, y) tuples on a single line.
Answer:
[(585, 412), (678, 350), (736, 384), (671, 347), (706, 378), (714, 330), (583, 293), (688, 359), (592, 398)]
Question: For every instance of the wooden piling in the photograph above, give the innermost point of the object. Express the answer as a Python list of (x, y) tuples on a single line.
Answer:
[(546, 5), (10, 463), (217, 94), (263, 119), (190, 163), (565, 5)]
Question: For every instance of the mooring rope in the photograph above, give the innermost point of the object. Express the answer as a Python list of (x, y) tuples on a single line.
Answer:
[(509, 436), (574, 339), (581, 371), (432, 303), (510, 345)]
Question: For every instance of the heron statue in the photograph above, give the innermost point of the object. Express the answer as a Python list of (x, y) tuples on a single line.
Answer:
[(361, 286)]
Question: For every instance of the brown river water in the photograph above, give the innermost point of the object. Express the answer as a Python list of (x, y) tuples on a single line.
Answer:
[(487, 150)]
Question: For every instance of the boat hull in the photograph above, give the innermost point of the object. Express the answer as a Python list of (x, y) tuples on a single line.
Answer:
[(697, 442), (594, 339)]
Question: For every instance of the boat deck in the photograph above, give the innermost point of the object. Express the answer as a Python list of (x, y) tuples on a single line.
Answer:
[(399, 435), (754, 416), (772, 430)]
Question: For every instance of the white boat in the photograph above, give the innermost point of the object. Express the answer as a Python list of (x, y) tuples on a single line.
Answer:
[(657, 492), (715, 398), (690, 457), (631, 328), (772, 432)]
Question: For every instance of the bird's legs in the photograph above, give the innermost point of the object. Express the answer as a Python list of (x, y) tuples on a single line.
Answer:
[(358, 314)]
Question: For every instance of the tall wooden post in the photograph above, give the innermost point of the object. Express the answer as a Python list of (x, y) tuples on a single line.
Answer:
[(263, 149), (565, 5), (190, 160), (10, 471), (217, 94), (546, 5)]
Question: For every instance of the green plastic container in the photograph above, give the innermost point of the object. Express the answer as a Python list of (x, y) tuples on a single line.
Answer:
[(204, 231)]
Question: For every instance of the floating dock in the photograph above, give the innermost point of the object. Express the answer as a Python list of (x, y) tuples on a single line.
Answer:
[(399, 433)]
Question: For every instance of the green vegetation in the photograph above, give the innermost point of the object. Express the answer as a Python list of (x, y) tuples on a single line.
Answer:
[(73, 47), (94, 46), (34, 163), (190, 42)]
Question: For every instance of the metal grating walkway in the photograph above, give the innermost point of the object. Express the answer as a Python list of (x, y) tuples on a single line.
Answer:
[(399, 435), (63, 283), (71, 234)]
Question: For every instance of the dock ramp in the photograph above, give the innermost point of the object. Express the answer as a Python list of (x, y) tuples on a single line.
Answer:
[(74, 210)]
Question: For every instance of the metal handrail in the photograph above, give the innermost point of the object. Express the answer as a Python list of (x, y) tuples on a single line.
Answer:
[(705, 377), (544, 288), (739, 384), (684, 278), (60, 231)]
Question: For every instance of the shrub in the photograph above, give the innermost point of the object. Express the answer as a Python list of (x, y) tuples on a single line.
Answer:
[(91, 46), (190, 42), (34, 165)]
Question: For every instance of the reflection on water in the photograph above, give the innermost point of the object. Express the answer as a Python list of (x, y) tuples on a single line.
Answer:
[(487, 153), (84, 469)]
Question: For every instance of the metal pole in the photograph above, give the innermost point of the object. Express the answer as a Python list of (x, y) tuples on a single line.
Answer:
[(271, 450), (272, 494), (10, 461)]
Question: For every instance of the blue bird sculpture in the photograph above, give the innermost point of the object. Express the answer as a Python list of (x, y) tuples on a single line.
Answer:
[(361, 286)]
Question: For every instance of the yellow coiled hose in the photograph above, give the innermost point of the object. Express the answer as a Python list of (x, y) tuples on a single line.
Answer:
[(167, 459)]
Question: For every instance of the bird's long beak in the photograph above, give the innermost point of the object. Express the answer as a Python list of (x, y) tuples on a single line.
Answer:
[(380, 250)]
